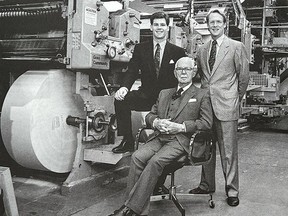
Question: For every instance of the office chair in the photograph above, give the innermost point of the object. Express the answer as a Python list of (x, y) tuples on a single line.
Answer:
[(200, 152)]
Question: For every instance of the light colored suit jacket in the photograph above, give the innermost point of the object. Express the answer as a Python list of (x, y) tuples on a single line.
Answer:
[(194, 111), (228, 81)]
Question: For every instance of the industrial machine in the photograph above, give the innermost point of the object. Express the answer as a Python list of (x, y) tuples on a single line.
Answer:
[(59, 57), (64, 59), (190, 16), (262, 26), (268, 87)]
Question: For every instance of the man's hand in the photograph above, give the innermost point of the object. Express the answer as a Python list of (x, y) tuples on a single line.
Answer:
[(121, 93), (161, 124), (166, 126), (174, 128)]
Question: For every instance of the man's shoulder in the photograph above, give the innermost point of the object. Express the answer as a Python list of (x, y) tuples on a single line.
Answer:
[(167, 91), (173, 46), (203, 46), (234, 42), (201, 92), (143, 44)]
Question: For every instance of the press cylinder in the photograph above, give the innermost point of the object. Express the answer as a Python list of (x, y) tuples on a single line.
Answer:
[(33, 120)]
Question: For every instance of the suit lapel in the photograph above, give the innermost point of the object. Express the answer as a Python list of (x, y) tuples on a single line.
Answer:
[(206, 57), (223, 50), (167, 101), (166, 57), (165, 53), (187, 95), (149, 56)]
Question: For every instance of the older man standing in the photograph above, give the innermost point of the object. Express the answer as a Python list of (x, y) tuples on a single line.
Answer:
[(224, 70), (178, 113)]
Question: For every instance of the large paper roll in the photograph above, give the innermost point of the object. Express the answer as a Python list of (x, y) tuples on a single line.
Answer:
[(33, 120)]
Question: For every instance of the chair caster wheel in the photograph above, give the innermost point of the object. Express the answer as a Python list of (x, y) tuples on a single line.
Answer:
[(211, 204)]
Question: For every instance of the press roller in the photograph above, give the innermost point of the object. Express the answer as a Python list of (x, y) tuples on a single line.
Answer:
[(59, 116), (33, 120)]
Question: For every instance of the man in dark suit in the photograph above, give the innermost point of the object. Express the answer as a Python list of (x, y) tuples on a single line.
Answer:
[(178, 113), (155, 60), (224, 71)]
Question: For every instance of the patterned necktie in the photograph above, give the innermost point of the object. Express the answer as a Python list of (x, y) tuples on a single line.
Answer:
[(212, 55), (177, 94), (157, 58)]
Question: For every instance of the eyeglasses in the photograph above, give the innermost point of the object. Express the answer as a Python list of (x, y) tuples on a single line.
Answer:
[(186, 69)]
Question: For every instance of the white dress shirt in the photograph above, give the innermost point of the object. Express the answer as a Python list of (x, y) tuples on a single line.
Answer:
[(184, 88)]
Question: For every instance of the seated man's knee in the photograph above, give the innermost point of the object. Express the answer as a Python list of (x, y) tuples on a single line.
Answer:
[(136, 156), (156, 161)]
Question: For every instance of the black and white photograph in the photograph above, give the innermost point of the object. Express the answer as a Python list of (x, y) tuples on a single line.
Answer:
[(143, 107)]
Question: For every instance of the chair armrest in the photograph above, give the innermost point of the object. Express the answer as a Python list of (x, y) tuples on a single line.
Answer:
[(142, 136)]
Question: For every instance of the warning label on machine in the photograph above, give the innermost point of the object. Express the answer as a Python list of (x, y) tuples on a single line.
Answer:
[(90, 16)]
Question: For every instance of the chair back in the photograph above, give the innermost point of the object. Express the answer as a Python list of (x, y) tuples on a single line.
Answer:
[(200, 151)]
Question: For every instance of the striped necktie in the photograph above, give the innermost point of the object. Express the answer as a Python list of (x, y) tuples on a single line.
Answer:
[(157, 59), (177, 94), (212, 55)]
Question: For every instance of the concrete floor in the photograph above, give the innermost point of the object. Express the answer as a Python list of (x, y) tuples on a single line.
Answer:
[(263, 165)]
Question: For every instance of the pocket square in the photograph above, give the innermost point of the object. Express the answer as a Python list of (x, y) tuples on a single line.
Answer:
[(192, 100), (171, 61)]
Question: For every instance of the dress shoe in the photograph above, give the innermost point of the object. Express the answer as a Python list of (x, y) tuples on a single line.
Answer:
[(233, 201), (130, 213), (124, 146), (199, 190), (118, 211), (160, 191), (124, 211)]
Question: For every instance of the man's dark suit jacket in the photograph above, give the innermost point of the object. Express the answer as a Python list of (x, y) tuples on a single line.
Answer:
[(195, 111), (143, 61)]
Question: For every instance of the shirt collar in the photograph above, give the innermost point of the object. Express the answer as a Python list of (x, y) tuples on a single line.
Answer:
[(184, 88), (219, 40), (162, 44)]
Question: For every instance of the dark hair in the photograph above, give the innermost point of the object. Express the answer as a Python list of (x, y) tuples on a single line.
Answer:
[(159, 15), (215, 11)]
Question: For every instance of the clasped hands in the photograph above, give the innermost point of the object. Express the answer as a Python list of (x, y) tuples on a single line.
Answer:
[(166, 126)]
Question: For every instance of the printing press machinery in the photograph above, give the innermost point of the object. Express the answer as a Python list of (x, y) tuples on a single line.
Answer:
[(63, 58), (58, 115)]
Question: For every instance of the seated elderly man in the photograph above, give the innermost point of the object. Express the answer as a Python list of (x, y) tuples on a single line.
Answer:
[(178, 113)]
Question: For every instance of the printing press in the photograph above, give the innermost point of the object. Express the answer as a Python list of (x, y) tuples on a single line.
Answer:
[(62, 59)]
